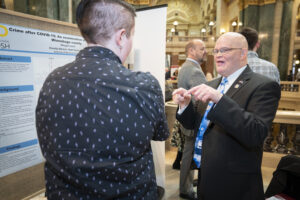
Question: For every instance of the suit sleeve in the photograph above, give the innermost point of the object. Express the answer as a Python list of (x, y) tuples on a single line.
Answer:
[(250, 125), (187, 118)]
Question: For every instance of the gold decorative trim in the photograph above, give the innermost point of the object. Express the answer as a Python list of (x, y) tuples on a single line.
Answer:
[(138, 2), (245, 3)]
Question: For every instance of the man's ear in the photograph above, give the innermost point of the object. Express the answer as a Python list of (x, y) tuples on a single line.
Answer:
[(257, 45), (120, 37), (244, 52), (191, 52)]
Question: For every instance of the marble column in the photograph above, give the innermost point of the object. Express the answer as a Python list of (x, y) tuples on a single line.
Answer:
[(265, 29), (21, 6), (285, 36), (260, 17), (276, 31), (74, 7)]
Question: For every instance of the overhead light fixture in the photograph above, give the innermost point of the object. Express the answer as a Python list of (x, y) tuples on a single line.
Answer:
[(203, 30), (297, 62), (234, 23), (175, 23), (211, 23), (262, 36)]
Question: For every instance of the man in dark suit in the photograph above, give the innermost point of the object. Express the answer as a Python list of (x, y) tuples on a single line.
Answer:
[(189, 76), (237, 123)]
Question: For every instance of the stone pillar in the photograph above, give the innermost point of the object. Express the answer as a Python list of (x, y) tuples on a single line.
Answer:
[(63, 10), (58, 9), (74, 7), (273, 23), (221, 20), (285, 36), (261, 18), (21, 6), (9, 4), (276, 31), (265, 30), (293, 33)]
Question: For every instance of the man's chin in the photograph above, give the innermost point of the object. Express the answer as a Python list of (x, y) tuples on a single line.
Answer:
[(220, 70)]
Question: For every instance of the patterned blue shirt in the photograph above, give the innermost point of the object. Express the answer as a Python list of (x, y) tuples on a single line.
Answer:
[(263, 67), (95, 120)]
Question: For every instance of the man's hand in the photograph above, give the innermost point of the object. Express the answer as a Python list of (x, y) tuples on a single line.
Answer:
[(181, 97), (205, 93)]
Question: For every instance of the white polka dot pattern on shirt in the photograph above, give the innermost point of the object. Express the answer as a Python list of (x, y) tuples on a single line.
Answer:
[(100, 118)]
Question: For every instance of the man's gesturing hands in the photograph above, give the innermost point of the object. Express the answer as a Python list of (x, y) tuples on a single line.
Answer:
[(202, 92)]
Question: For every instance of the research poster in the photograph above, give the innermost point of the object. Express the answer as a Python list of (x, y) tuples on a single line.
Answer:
[(27, 56)]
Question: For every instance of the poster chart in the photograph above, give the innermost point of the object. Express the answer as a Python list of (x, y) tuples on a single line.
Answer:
[(27, 56)]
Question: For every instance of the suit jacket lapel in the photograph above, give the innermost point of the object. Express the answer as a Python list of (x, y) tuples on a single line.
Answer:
[(201, 107), (214, 84), (240, 82)]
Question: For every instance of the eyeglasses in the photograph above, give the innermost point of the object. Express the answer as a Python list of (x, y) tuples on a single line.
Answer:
[(223, 50)]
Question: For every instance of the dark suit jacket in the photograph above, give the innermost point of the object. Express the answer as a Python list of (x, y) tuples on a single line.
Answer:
[(286, 178), (232, 144)]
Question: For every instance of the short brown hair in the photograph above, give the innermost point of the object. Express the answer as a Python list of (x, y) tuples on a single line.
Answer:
[(99, 19), (189, 45), (251, 36)]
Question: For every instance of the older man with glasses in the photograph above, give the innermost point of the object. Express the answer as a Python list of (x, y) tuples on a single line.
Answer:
[(231, 117)]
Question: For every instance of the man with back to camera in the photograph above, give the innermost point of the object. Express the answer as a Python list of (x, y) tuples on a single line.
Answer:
[(95, 118), (231, 116), (189, 76), (257, 64)]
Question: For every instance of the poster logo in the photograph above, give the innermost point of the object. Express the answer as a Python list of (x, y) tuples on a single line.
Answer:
[(4, 44), (3, 31)]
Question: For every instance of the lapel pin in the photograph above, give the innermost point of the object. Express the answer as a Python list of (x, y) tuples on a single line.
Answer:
[(236, 86)]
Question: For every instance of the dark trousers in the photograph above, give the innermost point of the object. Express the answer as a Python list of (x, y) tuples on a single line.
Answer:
[(198, 185)]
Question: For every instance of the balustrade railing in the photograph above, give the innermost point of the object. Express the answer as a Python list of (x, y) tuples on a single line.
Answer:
[(284, 136)]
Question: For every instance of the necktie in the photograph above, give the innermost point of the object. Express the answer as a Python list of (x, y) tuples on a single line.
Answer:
[(203, 127)]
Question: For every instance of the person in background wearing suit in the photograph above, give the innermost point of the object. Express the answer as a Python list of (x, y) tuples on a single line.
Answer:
[(189, 76), (231, 116), (95, 118), (257, 64)]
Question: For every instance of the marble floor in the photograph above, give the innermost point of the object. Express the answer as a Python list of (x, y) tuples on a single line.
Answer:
[(270, 161), (172, 177)]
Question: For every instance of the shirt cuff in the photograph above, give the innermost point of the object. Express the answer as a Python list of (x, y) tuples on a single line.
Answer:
[(180, 110)]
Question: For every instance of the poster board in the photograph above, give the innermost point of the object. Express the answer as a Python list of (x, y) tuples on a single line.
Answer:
[(20, 181), (27, 57), (149, 46)]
